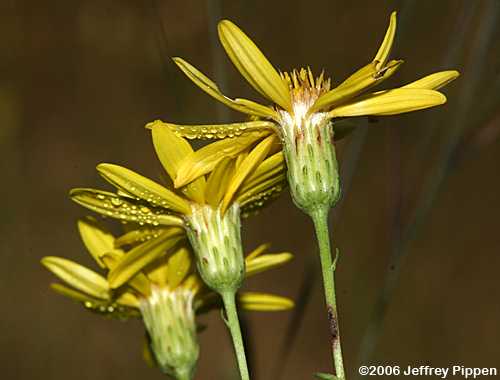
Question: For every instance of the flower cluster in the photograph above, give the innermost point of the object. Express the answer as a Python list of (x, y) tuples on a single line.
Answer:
[(182, 250), (304, 109), (167, 293)]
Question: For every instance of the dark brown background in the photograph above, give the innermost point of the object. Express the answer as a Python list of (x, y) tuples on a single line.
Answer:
[(78, 81)]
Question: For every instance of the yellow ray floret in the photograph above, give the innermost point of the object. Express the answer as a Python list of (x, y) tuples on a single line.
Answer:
[(298, 94), (170, 267), (243, 169)]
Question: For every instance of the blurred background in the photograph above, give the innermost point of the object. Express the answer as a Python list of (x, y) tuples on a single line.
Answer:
[(418, 226)]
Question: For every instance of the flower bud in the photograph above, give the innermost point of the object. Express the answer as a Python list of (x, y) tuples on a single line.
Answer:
[(216, 241), (169, 319), (312, 165)]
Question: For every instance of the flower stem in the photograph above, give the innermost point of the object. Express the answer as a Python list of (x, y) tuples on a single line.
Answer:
[(320, 220), (233, 324), (184, 376)]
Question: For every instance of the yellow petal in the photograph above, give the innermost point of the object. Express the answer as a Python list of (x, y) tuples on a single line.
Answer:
[(361, 80), (385, 48), (78, 276), (263, 302), (254, 159), (219, 131), (128, 299), (257, 108), (139, 257), (127, 303), (261, 195), (97, 240), (264, 185), (144, 188), (265, 262), (269, 168), (139, 282), (391, 102), (157, 271), (253, 65), (257, 252), (218, 181), (207, 85), (171, 151), (241, 157), (178, 267), (204, 160), (193, 282), (434, 81), (72, 293), (138, 236), (122, 208)]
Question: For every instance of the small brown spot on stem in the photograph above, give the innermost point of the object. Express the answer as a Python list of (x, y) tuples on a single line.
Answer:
[(334, 330)]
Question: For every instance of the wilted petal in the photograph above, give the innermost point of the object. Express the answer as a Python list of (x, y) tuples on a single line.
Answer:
[(253, 65), (391, 102), (78, 276)]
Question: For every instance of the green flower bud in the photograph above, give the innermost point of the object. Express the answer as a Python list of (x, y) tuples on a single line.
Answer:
[(216, 241), (170, 321), (310, 156)]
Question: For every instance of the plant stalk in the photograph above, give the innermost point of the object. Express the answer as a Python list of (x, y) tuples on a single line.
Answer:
[(320, 220), (233, 324), (184, 376)]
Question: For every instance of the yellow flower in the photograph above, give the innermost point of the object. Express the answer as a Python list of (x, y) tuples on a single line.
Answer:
[(303, 109), (238, 178), (165, 293)]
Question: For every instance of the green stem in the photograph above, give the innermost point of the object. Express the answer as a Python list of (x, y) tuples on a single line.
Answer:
[(320, 219), (233, 324), (183, 376)]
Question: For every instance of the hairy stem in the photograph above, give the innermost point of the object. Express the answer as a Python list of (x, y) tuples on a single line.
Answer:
[(233, 324), (320, 219)]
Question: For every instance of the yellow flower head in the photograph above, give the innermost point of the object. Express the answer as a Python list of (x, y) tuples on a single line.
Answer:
[(224, 181), (248, 172), (299, 94), (165, 292), (304, 107)]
